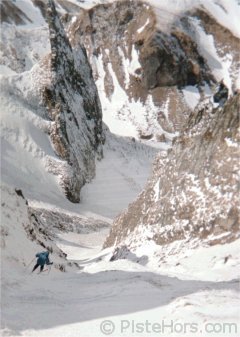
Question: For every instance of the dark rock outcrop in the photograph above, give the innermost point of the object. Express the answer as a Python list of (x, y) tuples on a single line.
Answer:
[(172, 59), (166, 59), (147, 61), (193, 192), (73, 104), (53, 221), (221, 95), (225, 41)]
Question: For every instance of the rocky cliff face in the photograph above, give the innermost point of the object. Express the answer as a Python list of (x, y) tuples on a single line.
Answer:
[(193, 191), (150, 81), (153, 70), (149, 65), (146, 80), (54, 81), (73, 104)]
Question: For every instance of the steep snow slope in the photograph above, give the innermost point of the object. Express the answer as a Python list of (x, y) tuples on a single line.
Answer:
[(192, 196), (27, 135), (123, 117), (120, 176), (126, 294), (73, 115), (75, 304), (27, 151), (28, 157), (196, 286), (20, 239), (25, 144)]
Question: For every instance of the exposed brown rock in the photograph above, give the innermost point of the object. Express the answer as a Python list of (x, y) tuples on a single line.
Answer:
[(194, 189), (173, 59), (168, 61), (224, 40)]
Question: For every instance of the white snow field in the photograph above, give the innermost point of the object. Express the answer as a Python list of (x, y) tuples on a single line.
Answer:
[(28, 157), (118, 298), (195, 293)]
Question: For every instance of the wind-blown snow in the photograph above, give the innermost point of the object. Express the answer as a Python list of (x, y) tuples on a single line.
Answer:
[(28, 158), (120, 176), (27, 155), (25, 146), (24, 46)]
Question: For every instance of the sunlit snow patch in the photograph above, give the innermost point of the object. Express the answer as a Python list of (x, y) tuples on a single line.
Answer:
[(191, 95)]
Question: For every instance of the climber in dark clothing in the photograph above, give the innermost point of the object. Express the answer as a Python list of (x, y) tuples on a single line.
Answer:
[(43, 258)]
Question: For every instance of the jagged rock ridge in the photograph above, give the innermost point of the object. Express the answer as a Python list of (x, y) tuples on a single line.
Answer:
[(150, 66), (73, 103), (54, 94)]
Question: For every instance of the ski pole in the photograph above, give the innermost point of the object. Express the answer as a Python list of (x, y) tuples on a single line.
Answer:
[(49, 269), (30, 262)]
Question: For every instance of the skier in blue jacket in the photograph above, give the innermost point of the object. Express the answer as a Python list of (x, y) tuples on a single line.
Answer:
[(43, 258)]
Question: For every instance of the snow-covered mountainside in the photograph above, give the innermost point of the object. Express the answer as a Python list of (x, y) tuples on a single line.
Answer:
[(136, 99), (120, 156), (193, 193), (73, 104), (22, 235), (60, 94), (51, 127), (158, 72), (201, 290), (167, 58)]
